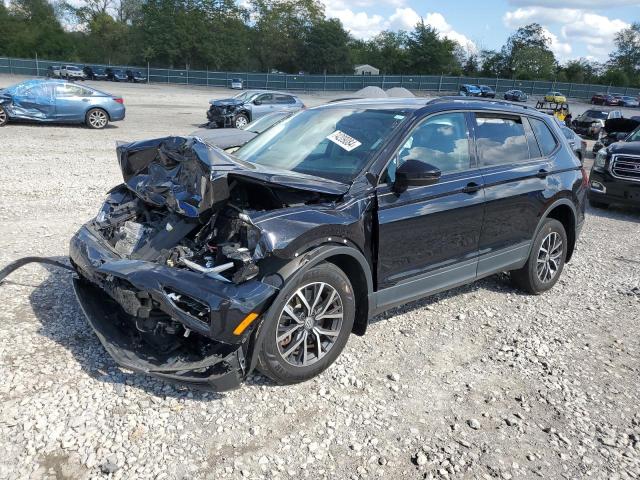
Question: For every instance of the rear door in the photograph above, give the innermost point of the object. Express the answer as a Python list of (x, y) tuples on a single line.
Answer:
[(515, 173), (34, 102), (428, 236)]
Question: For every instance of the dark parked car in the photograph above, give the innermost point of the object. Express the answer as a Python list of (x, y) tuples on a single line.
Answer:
[(59, 101), (591, 122), (614, 130), (135, 76), (615, 175), (469, 91), (250, 105), (233, 138), (53, 71), (202, 265), (516, 96), (612, 100), (599, 99), (116, 75), (487, 92), (95, 73)]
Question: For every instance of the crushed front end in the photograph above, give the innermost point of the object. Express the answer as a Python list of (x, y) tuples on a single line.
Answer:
[(169, 270), (221, 113)]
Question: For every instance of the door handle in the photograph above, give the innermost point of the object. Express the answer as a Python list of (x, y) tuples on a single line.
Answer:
[(85, 99), (542, 173), (471, 188)]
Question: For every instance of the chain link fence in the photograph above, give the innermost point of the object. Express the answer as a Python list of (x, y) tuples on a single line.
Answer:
[(316, 83)]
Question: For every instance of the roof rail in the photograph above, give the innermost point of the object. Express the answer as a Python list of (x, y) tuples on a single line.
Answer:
[(476, 99)]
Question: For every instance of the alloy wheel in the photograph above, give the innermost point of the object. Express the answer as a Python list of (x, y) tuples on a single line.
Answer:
[(3, 116), (98, 119), (549, 257), (241, 122), (309, 324)]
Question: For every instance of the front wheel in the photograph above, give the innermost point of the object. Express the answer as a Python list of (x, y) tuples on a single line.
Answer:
[(96, 118), (307, 328), (546, 260), (4, 117), (240, 121)]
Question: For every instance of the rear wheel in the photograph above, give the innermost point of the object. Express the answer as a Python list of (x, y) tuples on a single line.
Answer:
[(96, 118), (309, 326), (4, 117), (546, 260)]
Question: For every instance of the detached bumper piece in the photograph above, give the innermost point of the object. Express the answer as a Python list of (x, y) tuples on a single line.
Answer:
[(167, 322)]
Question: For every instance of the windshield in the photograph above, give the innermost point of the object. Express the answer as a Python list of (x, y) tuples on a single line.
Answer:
[(74, 69), (244, 96), (634, 136), (261, 124), (22, 88), (334, 143), (98, 70), (599, 114)]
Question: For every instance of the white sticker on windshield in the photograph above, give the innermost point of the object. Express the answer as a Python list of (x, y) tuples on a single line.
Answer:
[(345, 141)]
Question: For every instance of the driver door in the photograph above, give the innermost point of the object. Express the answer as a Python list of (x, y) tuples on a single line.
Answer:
[(428, 236), (35, 103), (265, 105)]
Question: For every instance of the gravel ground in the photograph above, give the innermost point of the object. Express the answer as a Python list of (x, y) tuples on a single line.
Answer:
[(479, 382)]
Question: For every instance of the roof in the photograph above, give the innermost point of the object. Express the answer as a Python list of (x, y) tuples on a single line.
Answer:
[(437, 104)]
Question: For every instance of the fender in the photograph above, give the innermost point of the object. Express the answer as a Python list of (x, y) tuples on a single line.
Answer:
[(293, 270), (561, 201)]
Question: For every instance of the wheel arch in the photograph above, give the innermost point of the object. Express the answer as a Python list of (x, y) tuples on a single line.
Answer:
[(564, 211), (350, 260)]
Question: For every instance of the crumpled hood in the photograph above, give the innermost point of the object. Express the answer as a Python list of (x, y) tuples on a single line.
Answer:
[(628, 148), (226, 102), (190, 177), (586, 118)]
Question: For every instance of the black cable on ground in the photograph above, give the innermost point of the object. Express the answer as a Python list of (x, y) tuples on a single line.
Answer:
[(6, 271)]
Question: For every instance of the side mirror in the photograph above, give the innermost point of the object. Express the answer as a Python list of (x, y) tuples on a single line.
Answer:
[(257, 102), (415, 173)]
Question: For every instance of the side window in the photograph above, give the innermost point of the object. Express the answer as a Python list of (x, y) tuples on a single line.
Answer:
[(546, 140), (500, 139), (69, 90), (441, 141), (284, 99), (266, 99)]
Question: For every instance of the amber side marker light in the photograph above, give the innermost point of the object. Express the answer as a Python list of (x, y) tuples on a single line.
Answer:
[(242, 326)]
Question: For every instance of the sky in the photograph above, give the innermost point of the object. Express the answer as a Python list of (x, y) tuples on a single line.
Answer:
[(577, 28)]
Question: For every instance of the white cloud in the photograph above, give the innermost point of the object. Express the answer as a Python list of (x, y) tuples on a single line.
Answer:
[(596, 32), (360, 24)]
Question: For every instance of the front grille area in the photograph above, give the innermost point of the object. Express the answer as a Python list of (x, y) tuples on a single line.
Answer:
[(626, 167)]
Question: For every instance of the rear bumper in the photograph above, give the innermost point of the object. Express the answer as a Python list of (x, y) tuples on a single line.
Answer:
[(117, 113), (604, 188), (121, 297)]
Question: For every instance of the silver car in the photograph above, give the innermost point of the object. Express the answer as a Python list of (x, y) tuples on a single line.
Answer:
[(249, 106)]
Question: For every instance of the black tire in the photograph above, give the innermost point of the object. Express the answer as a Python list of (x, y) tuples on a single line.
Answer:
[(596, 204), (271, 360), (96, 119), (4, 116), (240, 120), (529, 278)]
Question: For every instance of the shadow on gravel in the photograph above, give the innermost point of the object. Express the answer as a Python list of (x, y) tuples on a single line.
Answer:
[(56, 308), (27, 123), (616, 212), (62, 320)]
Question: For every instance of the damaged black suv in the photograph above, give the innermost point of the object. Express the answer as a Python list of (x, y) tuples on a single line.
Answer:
[(202, 266)]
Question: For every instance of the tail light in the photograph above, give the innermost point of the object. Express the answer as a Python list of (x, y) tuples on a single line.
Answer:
[(119, 100), (585, 177)]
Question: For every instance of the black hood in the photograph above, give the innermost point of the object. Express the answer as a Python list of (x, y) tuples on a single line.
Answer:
[(620, 125), (627, 148), (190, 177)]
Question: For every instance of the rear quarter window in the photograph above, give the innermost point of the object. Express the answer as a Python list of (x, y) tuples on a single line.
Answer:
[(546, 140)]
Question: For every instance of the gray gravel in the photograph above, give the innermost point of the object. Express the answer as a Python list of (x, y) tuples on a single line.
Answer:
[(479, 382)]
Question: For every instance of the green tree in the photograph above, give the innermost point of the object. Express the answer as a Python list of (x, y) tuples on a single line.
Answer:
[(626, 57), (428, 53), (326, 49), (527, 55)]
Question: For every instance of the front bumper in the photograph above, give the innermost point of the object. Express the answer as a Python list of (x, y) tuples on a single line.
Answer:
[(604, 188), (220, 117), (587, 131), (118, 296)]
